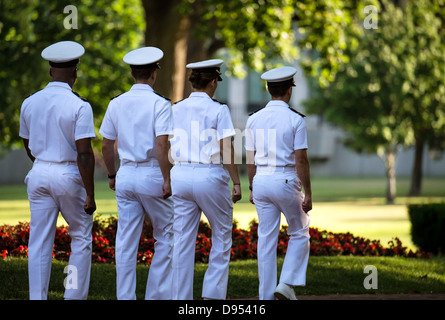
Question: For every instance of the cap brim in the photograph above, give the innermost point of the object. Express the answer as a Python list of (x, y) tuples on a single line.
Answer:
[(146, 66), (289, 82)]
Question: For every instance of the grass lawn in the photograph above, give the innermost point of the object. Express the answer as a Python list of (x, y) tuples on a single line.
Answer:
[(340, 204), (325, 275)]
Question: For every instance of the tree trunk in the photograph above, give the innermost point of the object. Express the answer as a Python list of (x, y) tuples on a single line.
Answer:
[(390, 164), (195, 52), (199, 49), (172, 32), (168, 30), (416, 176)]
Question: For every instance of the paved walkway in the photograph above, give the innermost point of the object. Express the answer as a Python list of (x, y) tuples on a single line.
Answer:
[(402, 296)]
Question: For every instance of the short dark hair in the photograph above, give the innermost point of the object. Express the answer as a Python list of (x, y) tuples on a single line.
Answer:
[(63, 74), (200, 80), (142, 74), (278, 91)]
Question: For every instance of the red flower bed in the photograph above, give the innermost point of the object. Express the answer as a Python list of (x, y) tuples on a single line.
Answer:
[(14, 243)]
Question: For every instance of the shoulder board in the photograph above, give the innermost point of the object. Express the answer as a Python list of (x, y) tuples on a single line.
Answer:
[(161, 96), (78, 95), (116, 96), (179, 101), (33, 93), (297, 112), (255, 111), (218, 101)]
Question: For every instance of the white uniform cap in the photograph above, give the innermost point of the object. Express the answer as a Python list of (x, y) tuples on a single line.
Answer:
[(144, 58), (280, 76), (63, 54), (208, 66)]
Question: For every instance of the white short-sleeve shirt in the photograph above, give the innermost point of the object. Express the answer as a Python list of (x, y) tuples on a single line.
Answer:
[(275, 132), (53, 119), (199, 124), (135, 118)]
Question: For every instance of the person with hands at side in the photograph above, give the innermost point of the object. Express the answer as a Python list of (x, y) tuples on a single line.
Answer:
[(201, 148), (141, 122), (278, 169), (56, 126)]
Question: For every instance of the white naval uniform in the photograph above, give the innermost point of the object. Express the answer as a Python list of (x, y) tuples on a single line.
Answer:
[(53, 119), (274, 132), (200, 184), (136, 118)]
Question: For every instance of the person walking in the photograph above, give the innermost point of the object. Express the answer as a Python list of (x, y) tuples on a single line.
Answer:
[(56, 126), (202, 144), (278, 170), (141, 121)]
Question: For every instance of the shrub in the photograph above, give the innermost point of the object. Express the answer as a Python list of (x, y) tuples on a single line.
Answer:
[(14, 242), (428, 226)]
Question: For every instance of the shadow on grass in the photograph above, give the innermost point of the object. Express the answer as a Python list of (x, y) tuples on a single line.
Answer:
[(345, 275)]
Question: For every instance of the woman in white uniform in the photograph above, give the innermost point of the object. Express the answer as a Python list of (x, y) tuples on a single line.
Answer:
[(202, 143)]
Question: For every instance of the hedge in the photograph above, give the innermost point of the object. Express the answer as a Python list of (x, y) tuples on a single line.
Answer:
[(428, 226), (14, 242)]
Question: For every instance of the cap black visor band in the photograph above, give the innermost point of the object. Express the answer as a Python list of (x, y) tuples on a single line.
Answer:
[(286, 83), (146, 66), (67, 64)]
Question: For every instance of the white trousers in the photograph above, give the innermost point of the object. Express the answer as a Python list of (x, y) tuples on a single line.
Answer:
[(196, 189), (52, 188), (273, 194), (139, 192)]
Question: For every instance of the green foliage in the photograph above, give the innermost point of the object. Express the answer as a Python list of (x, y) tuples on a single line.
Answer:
[(255, 32), (329, 31), (422, 56), (428, 226), (395, 73), (391, 86), (107, 30)]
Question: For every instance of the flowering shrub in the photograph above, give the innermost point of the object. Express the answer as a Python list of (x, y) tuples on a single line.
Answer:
[(329, 243), (14, 240), (14, 243)]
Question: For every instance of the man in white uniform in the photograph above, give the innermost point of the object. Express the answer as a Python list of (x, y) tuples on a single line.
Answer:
[(57, 126), (278, 168), (202, 143), (141, 121)]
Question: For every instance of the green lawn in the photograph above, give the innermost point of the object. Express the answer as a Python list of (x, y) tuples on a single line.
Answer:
[(325, 275), (340, 204)]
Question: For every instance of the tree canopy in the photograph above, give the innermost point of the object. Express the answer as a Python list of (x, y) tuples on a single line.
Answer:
[(385, 86), (253, 32), (107, 29), (389, 94)]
